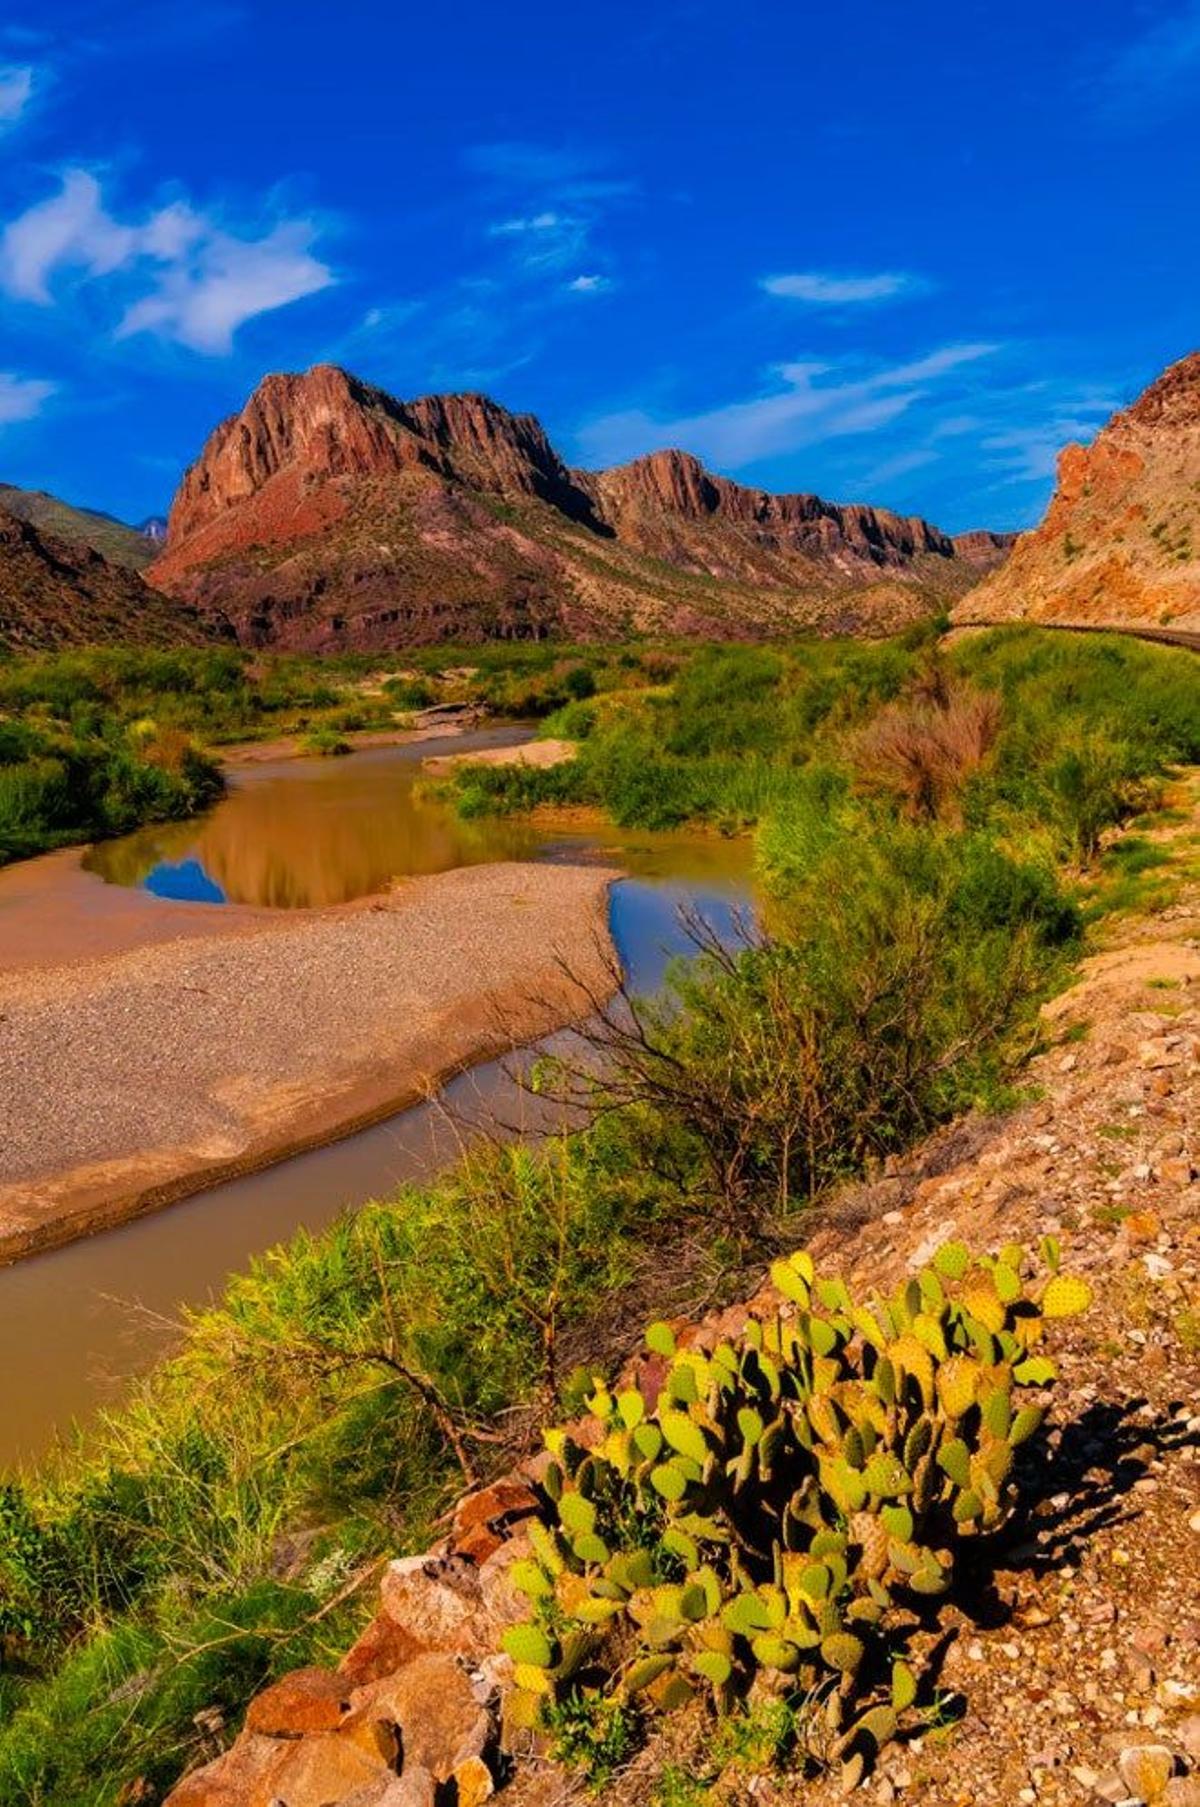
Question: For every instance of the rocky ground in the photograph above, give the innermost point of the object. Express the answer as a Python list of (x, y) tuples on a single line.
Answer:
[(1068, 1671)]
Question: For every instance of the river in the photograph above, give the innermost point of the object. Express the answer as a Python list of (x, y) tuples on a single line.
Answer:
[(77, 1322)]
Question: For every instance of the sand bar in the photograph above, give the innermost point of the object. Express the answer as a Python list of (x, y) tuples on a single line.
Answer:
[(130, 1079)]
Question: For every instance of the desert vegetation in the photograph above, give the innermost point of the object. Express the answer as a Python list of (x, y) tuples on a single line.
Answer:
[(931, 835)]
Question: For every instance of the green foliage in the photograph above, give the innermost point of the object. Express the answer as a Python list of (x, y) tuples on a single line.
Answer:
[(305, 1413), (325, 743), (788, 1499), (902, 962)]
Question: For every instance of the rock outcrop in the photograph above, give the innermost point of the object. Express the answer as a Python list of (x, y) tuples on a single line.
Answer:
[(329, 514), (59, 593), (1120, 544)]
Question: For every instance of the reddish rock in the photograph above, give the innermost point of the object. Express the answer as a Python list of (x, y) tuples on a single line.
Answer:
[(433, 1705), (308, 1700), (499, 1504), (383, 1647), (1120, 542), (317, 1772), (436, 1600)]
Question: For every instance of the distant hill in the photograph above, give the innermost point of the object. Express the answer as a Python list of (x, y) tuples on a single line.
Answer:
[(328, 514), (55, 592), (1120, 543), (133, 547)]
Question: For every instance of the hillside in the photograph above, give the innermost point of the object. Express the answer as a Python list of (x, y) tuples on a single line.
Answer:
[(58, 593), (1067, 1667), (1120, 544), (120, 544), (327, 514)]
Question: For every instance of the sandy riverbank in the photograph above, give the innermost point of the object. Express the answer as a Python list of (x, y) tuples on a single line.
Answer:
[(131, 1079), (537, 753)]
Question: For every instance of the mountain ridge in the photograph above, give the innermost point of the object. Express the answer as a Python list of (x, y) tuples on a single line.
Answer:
[(114, 539), (327, 513), (56, 592)]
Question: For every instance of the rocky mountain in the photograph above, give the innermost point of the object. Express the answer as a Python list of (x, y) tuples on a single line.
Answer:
[(133, 547), (329, 514), (1120, 544), (55, 592)]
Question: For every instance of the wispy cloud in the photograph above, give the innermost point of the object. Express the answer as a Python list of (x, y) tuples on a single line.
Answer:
[(822, 288), (591, 283), (21, 397), (1026, 449), (807, 403), (176, 272), (16, 91), (1157, 67), (555, 204)]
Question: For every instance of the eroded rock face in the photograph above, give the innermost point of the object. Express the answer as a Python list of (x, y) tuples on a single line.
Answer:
[(1120, 543), (328, 513)]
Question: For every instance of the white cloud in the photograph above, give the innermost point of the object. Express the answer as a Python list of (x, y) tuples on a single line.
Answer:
[(591, 284), (1028, 452), (70, 230), (180, 273), (204, 296), (21, 397), (819, 288), (547, 221), (16, 91), (810, 403)]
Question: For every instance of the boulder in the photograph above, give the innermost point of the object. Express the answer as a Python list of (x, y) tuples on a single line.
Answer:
[(432, 1704), (437, 1601), (308, 1700), (317, 1772)]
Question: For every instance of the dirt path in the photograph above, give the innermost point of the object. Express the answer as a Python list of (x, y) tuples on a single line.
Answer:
[(131, 1079)]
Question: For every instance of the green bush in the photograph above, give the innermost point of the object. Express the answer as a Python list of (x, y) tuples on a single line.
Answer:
[(780, 1503), (900, 963)]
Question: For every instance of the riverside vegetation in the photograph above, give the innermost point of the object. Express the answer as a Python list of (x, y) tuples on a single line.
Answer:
[(931, 835)]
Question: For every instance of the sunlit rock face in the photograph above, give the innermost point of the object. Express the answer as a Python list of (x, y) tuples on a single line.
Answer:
[(1120, 544), (329, 514)]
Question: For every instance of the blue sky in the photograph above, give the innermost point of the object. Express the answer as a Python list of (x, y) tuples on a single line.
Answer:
[(891, 253)]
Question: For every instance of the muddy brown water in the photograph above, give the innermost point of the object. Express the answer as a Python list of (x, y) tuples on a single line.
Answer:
[(76, 1323)]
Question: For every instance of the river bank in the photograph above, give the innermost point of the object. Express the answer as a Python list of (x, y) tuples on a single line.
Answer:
[(135, 1078)]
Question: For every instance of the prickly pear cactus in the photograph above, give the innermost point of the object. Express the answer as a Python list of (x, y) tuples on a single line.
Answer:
[(790, 1496)]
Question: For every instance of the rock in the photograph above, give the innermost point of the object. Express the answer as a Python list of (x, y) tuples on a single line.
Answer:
[(234, 1780), (383, 1647), (1146, 1769), (437, 1601), (308, 1700), (1182, 1791), (318, 1771), (415, 1788), (473, 1782), (1187, 1735), (431, 1702)]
